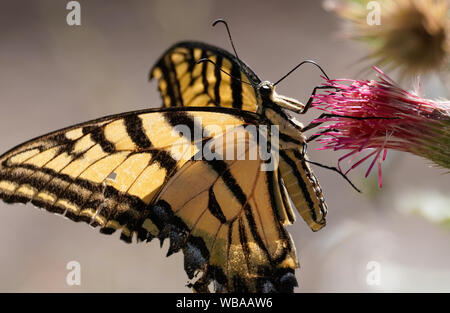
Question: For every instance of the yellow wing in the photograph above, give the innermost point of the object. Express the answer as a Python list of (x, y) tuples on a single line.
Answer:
[(303, 188), (183, 82), (229, 221), (132, 172), (106, 171)]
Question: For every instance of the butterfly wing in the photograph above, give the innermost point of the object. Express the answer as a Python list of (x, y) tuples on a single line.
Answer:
[(228, 218), (104, 172), (123, 173), (183, 82), (303, 188)]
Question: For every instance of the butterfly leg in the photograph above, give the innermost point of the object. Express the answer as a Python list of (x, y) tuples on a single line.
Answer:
[(314, 125), (321, 133), (311, 98), (309, 105), (325, 115), (335, 169), (331, 168)]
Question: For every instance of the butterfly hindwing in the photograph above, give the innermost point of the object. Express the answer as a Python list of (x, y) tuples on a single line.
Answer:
[(229, 214), (121, 173), (183, 82)]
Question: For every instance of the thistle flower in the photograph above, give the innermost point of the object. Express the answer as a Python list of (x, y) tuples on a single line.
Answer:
[(413, 35), (371, 117)]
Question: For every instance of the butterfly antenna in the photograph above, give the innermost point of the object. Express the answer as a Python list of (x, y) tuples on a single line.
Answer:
[(225, 72), (301, 63), (229, 34)]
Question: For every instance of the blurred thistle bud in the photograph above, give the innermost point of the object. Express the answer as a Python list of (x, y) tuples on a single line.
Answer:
[(370, 117), (410, 35)]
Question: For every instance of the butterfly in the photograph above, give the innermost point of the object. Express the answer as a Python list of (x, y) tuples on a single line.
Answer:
[(126, 173)]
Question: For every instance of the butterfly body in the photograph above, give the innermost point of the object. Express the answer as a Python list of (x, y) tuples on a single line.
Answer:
[(134, 173)]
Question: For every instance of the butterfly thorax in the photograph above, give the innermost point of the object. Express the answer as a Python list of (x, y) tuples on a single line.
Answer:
[(272, 105)]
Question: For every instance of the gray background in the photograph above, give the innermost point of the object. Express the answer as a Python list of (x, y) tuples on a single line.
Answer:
[(53, 75)]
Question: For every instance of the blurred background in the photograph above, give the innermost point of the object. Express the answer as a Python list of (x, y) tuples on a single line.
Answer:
[(53, 75)]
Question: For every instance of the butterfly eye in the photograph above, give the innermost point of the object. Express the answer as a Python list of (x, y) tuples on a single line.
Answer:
[(265, 90)]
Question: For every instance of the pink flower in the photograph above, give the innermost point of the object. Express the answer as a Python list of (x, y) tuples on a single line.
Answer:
[(368, 118)]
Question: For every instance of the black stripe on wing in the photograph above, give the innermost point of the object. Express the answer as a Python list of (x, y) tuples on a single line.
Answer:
[(171, 88)]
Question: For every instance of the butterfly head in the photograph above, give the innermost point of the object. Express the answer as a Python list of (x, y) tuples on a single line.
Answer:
[(266, 90), (269, 97)]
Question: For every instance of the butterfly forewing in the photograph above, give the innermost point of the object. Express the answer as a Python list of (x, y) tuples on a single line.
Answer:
[(184, 82), (99, 170), (110, 173)]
